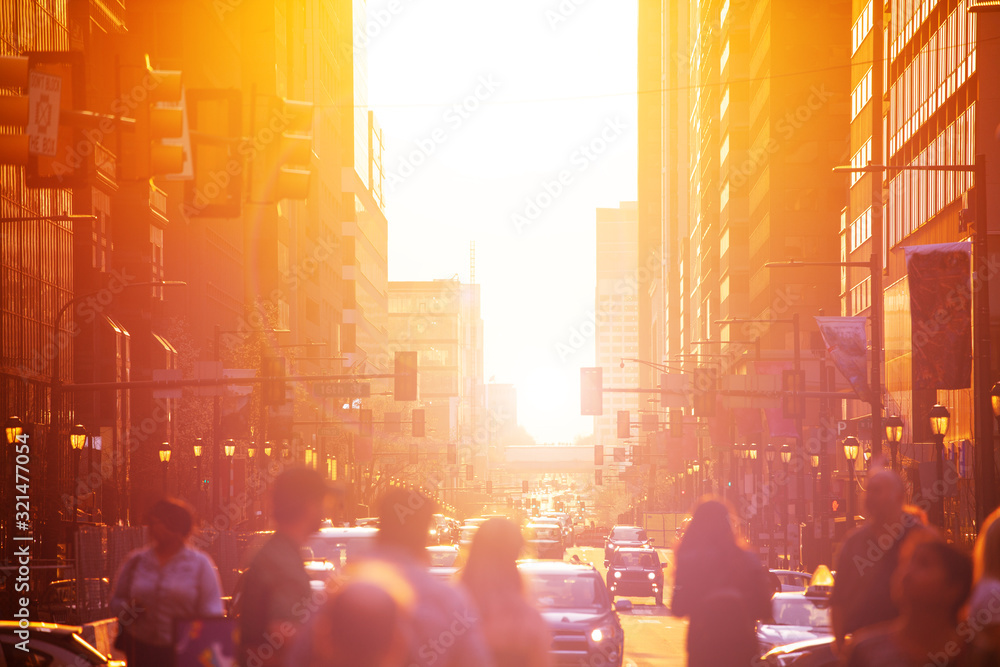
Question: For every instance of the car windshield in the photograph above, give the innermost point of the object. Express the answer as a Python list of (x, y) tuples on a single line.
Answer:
[(632, 559), (800, 611), (629, 534), (568, 591), (542, 532), (443, 558)]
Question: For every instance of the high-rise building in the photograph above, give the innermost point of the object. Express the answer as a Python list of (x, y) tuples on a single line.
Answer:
[(617, 306)]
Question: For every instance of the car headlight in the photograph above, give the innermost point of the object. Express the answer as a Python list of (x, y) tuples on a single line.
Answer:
[(602, 633), (651, 575), (597, 634), (618, 575)]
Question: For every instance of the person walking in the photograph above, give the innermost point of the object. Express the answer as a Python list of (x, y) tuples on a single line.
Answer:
[(984, 605), (722, 588), (442, 626), (929, 587), (275, 596), (869, 556), (162, 583), (361, 626), (514, 630)]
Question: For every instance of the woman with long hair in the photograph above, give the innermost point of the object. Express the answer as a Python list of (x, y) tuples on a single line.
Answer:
[(722, 589), (986, 594), (514, 629)]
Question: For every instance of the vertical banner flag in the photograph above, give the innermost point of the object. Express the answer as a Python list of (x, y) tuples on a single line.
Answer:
[(846, 341), (940, 280)]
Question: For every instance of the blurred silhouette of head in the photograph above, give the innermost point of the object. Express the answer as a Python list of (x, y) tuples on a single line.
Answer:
[(932, 576), (493, 558), (405, 516), (988, 548), (359, 627), (884, 496), (710, 528), (297, 497)]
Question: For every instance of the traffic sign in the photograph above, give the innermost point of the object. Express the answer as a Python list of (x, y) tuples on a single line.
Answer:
[(342, 389)]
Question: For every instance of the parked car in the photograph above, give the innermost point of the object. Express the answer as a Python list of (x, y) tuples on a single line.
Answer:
[(58, 602), (544, 540), (636, 573), (625, 536), (50, 645), (799, 616), (578, 611), (443, 561)]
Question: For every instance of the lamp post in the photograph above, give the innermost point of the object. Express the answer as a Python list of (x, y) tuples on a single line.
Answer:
[(165, 460), (77, 440), (894, 434), (14, 429), (199, 449), (753, 452), (786, 458), (229, 450), (939, 417), (770, 453), (851, 449)]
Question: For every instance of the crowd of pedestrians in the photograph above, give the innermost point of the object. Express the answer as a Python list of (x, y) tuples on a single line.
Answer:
[(903, 596)]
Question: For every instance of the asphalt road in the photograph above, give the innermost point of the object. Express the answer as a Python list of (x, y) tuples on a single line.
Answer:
[(653, 638)]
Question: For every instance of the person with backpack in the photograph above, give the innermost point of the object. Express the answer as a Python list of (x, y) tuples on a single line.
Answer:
[(721, 587)]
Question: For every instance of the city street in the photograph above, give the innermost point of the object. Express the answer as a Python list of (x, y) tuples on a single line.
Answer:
[(653, 638)]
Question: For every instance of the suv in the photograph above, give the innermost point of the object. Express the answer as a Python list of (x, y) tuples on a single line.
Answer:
[(544, 540), (578, 612), (636, 573), (624, 536)]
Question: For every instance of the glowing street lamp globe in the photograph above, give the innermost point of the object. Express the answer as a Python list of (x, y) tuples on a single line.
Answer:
[(851, 448), (939, 417), (77, 437)]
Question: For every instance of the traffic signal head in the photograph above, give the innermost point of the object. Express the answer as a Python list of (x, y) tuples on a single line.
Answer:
[(285, 166), (650, 421), (676, 423), (624, 425), (598, 478), (273, 371), (156, 123), (404, 386), (469, 474), (704, 392), (365, 422), (591, 391), (418, 423)]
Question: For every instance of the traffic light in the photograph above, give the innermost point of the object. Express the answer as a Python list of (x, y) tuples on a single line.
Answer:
[(469, 472), (418, 424), (524, 486), (284, 169), (14, 110), (704, 392), (792, 402), (624, 425), (591, 391), (650, 421), (414, 457), (273, 372), (159, 116), (365, 422), (676, 423), (598, 455), (404, 387), (215, 132), (598, 478), (452, 451)]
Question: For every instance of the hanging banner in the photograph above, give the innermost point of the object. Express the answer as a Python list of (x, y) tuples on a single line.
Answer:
[(846, 341), (777, 424), (940, 281)]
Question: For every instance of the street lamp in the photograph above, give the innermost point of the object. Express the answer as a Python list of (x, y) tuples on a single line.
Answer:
[(939, 417), (229, 448), (165, 460), (165, 453), (814, 460), (894, 434), (14, 429), (251, 452), (868, 456), (77, 439), (769, 453), (851, 449), (786, 454), (267, 448), (753, 451)]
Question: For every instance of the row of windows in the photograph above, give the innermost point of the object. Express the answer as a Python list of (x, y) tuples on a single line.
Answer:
[(937, 71), (861, 95), (861, 229), (861, 28), (861, 159), (916, 196), (861, 296)]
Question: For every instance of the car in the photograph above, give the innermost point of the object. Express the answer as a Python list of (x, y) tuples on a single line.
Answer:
[(579, 613), (443, 561), (58, 603), (50, 645), (625, 536), (792, 581), (341, 545), (636, 573), (799, 616), (441, 530), (544, 540), (811, 653)]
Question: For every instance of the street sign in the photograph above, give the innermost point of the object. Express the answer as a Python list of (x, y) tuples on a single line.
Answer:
[(342, 389), (44, 92)]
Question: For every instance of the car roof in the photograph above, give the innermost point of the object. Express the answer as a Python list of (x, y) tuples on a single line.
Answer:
[(554, 567), (49, 628), (794, 572), (635, 550), (442, 547), (622, 525)]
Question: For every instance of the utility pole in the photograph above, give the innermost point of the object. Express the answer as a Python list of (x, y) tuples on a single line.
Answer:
[(877, 308)]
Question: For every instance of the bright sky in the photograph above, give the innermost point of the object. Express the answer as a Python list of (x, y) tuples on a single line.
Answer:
[(542, 88)]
